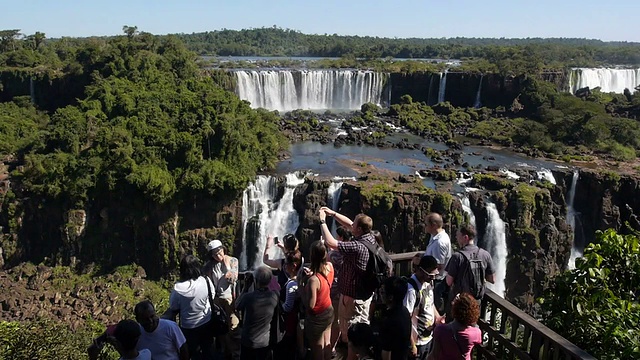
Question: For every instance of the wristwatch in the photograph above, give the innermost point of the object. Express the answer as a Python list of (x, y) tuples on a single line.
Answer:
[(323, 222)]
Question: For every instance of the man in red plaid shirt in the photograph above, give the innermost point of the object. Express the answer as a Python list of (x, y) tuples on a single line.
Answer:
[(354, 299)]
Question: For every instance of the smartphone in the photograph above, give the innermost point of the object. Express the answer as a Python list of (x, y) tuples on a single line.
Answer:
[(276, 240)]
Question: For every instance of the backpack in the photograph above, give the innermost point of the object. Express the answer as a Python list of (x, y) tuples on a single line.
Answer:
[(378, 270), (415, 286), (475, 274), (278, 326)]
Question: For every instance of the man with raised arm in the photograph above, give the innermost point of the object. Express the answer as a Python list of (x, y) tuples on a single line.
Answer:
[(354, 299)]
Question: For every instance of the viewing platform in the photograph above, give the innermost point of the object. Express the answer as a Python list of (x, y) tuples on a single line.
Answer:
[(508, 332)]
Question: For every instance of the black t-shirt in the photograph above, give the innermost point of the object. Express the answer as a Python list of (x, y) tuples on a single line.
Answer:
[(395, 332)]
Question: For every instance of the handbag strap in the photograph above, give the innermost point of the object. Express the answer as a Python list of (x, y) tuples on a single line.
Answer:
[(455, 339), (206, 279)]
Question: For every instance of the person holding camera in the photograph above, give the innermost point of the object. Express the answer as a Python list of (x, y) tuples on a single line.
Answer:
[(258, 307), (289, 246)]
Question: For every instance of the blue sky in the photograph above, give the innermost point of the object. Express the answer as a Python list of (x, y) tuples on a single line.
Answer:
[(412, 18)]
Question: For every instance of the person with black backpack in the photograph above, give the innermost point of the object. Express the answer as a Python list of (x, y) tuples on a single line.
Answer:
[(469, 267), (356, 283), (420, 303)]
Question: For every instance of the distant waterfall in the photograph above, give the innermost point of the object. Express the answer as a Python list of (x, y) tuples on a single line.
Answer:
[(576, 249), (477, 104), (466, 207), (609, 80), (333, 200), (496, 243), (443, 87), (261, 216), (286, 90)]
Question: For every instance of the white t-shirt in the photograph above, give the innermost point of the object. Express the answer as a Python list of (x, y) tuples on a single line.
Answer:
[(144, 354), (164, 342), (191, 299), (440, 248)]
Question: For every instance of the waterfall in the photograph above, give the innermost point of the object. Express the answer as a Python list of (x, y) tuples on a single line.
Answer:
[(477, 104), (429, 97), (576, 250), (443, 87), (466, 207), (546, 174), (286, 90), (609, 80), (333, 200), (262, 216), (496, 243)]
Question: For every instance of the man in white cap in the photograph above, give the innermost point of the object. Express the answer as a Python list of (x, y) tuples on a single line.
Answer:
[(223, 271)]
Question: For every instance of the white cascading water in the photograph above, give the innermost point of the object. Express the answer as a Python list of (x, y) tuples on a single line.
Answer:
[(477, 104), (609, 80), (333, 200), (443, 87), (315, 90), (466, 207), (273, 218), (546, 174), (576, 251), (496, 242)]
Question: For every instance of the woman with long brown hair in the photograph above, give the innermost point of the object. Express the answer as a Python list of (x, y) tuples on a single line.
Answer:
[(317, 301)]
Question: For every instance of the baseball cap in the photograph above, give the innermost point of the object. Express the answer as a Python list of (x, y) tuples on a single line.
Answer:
[(214, 244), (429, 264)]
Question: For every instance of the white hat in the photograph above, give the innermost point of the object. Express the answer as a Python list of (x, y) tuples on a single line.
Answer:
[(214, 244)]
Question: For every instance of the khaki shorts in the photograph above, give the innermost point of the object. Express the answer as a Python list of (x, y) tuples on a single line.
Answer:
[(231, 314), (352, 311)]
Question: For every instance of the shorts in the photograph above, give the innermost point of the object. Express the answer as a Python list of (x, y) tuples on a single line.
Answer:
[(353, 311)]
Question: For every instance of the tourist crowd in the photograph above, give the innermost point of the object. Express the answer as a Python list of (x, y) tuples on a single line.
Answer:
[(319, 310)]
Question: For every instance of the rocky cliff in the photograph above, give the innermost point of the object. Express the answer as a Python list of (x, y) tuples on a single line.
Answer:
[(125, 230)]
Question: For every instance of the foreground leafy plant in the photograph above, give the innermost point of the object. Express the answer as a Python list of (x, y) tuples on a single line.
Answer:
[(596, 305)]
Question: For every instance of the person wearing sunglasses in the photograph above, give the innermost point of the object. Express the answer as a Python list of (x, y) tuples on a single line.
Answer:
[(419, 301)]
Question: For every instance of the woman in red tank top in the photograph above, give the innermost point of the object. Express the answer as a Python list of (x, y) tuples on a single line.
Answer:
[(317, 301)]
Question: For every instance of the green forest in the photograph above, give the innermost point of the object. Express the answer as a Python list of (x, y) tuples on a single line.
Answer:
[(275, 41), (146, 123)]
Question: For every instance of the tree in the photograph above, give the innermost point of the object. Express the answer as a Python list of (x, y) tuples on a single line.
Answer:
[(130, 31), (596, 305), (8, 38)]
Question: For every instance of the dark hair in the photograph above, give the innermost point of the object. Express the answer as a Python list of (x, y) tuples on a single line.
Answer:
[(396, 288), (318, 256), (344, 233), (469, 230), (295, 259), (364, 222), (435, 219), (290, 242), (189, 268), (376, 234), (465, 309), (127, 333), (144, 305)]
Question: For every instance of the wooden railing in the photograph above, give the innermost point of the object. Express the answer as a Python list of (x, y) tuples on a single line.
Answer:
[(510, 333)]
